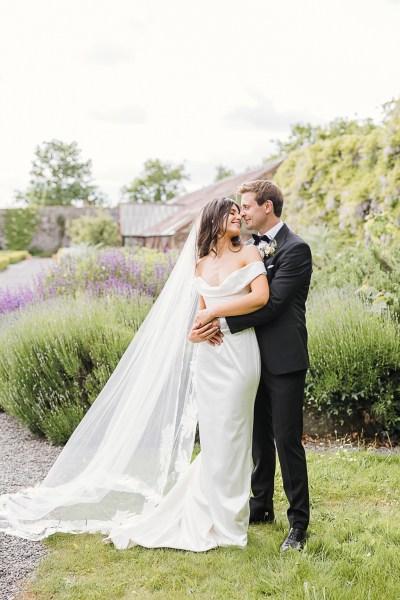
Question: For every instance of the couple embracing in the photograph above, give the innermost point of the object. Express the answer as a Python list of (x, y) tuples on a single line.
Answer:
[(126, 469), (279, 325)]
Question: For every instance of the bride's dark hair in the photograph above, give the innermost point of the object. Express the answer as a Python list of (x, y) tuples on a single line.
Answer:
[(213, 225)]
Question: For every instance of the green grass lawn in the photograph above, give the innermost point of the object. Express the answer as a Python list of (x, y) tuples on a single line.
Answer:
[(353, 549)]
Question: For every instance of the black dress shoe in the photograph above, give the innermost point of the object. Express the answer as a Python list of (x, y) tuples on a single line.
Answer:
[(267, 517), (295, 539)]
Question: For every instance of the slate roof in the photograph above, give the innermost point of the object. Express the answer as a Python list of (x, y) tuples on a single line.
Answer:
[(135, 219), (164, 220), (191, 204)]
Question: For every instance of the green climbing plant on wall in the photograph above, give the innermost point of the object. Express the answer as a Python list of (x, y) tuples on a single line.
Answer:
[(349, 183), (19, 226)]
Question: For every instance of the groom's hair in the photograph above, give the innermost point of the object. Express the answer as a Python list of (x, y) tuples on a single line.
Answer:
[(264, 189)]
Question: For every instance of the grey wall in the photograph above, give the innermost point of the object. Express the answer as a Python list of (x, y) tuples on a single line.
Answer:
[(48, 236)]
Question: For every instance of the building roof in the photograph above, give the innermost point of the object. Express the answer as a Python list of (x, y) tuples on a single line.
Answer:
[(191, 204), (164, 219), (135, 219)]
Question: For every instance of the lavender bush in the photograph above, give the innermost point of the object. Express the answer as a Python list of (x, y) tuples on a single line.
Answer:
[(77, 320), (355, 363), (56, 356), (14, 298), (101, 273)]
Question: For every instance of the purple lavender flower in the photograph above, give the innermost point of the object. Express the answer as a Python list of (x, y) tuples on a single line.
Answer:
[(16, 297), (124, 271)]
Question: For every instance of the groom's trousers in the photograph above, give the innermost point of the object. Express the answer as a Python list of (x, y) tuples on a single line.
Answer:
[(278, 420)]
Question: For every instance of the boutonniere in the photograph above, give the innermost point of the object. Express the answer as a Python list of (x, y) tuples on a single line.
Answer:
[(268, 249)]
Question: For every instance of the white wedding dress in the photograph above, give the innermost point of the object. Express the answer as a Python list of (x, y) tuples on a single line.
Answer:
[(125, 471), (209, 505)]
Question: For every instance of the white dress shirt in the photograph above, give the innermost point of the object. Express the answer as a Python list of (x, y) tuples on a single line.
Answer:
[(271, 233)]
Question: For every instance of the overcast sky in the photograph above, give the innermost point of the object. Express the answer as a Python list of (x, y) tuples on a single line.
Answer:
[(205, 82)]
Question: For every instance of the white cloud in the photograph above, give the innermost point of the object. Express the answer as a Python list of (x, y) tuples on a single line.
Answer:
[(126, 114), (109, 54), (208, 82), (261, 114)]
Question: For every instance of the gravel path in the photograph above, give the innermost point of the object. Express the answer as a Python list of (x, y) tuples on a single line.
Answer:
[(24, 460), (23, 272)]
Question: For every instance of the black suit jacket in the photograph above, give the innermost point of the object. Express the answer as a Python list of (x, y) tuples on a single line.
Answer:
[(281, 324)]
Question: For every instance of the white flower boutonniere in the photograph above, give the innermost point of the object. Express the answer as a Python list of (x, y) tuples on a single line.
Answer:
[(268, 250)]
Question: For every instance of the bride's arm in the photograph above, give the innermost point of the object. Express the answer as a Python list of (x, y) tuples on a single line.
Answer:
[(207, 332), (254, 300)]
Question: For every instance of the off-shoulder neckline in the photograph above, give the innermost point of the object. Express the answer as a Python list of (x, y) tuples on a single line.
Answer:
[(255, 262)]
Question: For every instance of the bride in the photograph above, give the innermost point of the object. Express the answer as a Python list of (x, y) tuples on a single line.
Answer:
[(126, 469)]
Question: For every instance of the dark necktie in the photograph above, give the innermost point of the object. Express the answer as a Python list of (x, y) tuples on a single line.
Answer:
[(260, 238)]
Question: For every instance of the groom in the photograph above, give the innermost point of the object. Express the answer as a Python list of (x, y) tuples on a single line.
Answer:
[(282, 337)]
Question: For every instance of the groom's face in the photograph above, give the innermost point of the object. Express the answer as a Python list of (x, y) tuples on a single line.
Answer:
[(255, 216)]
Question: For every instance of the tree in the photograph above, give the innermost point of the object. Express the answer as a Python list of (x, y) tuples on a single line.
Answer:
[(157, 183), (303, 135), (100, 229), (60, 177), (223, 172)]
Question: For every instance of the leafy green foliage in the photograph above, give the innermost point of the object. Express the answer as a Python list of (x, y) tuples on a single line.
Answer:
[(101, 229), (349, 183), (19, 226), (60, 177), (37, 251), (355, 362), (160, 181), (14, 256), (8, 257), (4, 262), (57, 356), (223, 172), (371, 271), (305, 134)]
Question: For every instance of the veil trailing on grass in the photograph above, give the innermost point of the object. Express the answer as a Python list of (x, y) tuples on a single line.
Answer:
[(136, 439)]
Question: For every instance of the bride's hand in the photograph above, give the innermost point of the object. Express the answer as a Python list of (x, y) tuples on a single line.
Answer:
[(203, 317)]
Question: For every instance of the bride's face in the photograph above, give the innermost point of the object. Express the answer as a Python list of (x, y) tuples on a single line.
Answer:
[(233, 223)]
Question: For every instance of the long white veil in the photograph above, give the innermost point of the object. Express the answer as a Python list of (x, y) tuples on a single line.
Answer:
[(136, 439)]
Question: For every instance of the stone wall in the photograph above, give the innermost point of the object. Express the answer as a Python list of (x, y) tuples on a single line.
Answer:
[(49, 235)]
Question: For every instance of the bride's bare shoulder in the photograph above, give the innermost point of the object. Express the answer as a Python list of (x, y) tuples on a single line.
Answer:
[(250, 253)]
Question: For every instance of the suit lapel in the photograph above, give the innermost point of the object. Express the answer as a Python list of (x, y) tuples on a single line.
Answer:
[(280, 239), (281, 236)]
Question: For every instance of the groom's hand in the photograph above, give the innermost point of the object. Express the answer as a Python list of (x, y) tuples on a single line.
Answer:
[(208, 333)]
